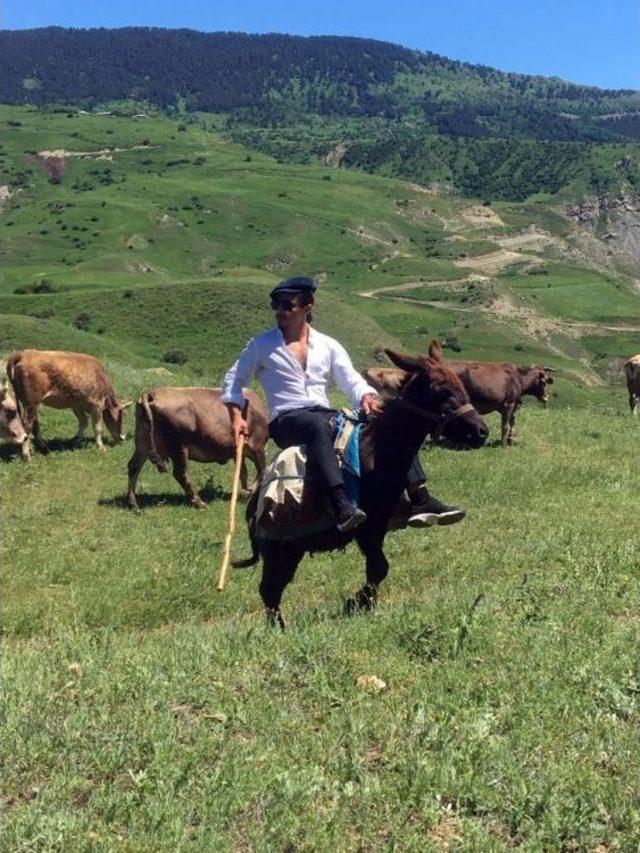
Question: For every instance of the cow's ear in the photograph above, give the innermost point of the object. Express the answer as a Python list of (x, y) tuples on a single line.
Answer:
[(410, 363), (435, 350), (124, 404)]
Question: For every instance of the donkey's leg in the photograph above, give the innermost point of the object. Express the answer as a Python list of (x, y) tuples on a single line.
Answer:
[(512, 425), (505, 414), (279, 563), (377, 567)]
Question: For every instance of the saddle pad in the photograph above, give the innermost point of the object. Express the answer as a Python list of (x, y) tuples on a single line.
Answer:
[(290, 504)]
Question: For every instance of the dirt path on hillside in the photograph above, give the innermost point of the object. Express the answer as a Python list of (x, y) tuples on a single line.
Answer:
[(494, 262), (100, 154), (500, 306)]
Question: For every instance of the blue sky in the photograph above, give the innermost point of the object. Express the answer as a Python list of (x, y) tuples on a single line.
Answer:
[(585, 41)]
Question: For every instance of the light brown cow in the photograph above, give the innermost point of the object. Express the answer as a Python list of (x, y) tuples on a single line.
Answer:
[(11, 427), (632, 371), (192, 423), (65, 380), (492, 387)]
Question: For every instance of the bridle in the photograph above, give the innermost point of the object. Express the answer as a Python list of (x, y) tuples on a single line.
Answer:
[(440, 420)]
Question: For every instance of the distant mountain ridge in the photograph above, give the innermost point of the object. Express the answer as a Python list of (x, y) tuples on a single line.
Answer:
[(280, 78)]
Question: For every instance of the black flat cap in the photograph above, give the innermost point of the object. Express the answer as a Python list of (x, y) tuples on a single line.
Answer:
[(297, 284)]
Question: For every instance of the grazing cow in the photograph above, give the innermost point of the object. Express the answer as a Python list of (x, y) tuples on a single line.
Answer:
[(11, 427), (632, 370), (432, 399), (65, 380), (191, 423), (492, 387)]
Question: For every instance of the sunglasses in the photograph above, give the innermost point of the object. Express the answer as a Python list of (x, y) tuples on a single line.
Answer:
[(286, 304)]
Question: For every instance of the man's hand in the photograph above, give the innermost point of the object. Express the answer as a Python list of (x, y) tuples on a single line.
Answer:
[(239, 425), (370, 405)]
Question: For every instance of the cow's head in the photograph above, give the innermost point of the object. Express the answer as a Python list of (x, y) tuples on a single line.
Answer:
[(433, 391), (535, 380), (388, 381), (113, 417), (11, 427)]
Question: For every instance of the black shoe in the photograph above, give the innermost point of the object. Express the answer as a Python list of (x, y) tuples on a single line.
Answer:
[(347, 515), (431, 511), (351, 520)]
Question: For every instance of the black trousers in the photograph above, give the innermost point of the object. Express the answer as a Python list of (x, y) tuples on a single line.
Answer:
[(311, 427)]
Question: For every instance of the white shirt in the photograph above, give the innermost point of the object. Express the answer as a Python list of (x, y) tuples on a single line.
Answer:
[(286, 383)]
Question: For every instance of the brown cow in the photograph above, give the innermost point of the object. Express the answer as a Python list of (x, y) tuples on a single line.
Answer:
[(11, 427), (492, 387), (191, 423), (65, 380), (632, 371)]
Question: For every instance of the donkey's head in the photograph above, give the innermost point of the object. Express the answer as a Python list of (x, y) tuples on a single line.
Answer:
[(434, 392)]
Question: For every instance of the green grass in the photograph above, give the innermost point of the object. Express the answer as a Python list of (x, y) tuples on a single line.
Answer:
[(577, 294), (145, 710)]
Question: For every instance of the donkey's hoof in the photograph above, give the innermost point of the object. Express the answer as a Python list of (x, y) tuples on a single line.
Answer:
[(274, 618), (363, 601)]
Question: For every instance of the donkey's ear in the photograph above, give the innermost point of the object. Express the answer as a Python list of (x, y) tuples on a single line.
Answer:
[(435, 350), (410, 363)]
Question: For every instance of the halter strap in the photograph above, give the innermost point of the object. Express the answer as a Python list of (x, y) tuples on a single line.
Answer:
[(440, 420)]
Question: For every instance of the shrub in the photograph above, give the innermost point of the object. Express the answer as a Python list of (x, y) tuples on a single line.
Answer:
[(21, 291), (43, 313), (451, 342), (127, 294), (182, 128), (43, 286), (82, 321), (175, 356), (326, 177)]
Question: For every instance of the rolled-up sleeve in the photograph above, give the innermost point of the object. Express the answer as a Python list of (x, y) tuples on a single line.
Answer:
[(240, 374), (346, 377)]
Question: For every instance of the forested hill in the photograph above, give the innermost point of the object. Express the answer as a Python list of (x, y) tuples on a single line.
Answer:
[(279, 78)]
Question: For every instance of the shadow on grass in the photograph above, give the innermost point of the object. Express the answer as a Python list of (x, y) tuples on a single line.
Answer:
[(209, 494), (9, 452)]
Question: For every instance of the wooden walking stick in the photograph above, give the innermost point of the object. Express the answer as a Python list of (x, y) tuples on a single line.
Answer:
[(222, 577)]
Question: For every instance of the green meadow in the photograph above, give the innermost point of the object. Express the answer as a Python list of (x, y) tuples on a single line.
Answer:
[(143, 710)]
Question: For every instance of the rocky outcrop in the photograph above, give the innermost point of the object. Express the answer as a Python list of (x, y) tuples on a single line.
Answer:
[(616, 218)]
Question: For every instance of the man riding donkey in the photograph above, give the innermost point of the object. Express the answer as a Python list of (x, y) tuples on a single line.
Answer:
[(295, 364)]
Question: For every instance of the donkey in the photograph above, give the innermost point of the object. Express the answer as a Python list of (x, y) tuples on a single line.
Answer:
[(433, 401)]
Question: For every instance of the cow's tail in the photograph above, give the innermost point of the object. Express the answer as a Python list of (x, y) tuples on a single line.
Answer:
[(12, 361), (145, 401)]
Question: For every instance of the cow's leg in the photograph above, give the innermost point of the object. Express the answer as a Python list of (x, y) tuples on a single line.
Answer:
[(134, 467), (512, 424), (244, 478), (633, 404), (180, 458), (377, 567), (96, 420), (259, 459), (505, 415), (32, 427), (83, 422), (279, 563)]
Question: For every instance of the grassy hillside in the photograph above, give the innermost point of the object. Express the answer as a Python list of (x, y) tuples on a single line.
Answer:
[(145, 711), (172, 242)]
